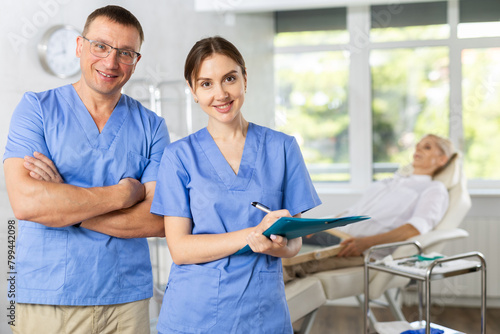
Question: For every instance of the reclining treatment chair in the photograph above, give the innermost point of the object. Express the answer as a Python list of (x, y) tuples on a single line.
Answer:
[(347, 282), (304, 297)]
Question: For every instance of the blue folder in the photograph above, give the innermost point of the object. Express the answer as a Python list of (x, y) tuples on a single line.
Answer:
[(291, 228)]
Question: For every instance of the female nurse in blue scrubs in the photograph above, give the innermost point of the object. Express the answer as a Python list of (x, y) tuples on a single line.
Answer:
[(205, 186)]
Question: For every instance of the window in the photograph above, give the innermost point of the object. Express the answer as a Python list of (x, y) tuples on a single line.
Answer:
[(410, 94), (410, 85), (433, 68), (481, 113), (312, 105), (311, 86)]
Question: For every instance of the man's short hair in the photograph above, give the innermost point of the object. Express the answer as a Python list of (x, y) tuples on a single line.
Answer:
[(116, 14)]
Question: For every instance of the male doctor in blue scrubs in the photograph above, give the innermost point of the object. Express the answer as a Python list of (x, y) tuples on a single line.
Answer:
[(80, 167)]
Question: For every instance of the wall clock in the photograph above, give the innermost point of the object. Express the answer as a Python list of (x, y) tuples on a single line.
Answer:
[(57, 50)]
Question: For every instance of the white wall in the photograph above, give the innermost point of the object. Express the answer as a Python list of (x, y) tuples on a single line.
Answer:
[(171, 27)]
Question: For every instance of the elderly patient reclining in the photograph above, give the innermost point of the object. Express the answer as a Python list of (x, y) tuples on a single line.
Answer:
[(400, 207)]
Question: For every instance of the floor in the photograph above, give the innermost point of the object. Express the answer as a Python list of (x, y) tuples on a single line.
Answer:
[(349, 320)]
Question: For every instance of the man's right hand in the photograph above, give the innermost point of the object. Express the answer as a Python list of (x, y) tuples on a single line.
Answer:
[(133, 191)]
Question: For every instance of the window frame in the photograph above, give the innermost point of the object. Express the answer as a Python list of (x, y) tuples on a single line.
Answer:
[(360, 112)]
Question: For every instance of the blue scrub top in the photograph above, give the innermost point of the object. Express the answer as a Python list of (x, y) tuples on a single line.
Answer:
[(239, 293), (70, 265)]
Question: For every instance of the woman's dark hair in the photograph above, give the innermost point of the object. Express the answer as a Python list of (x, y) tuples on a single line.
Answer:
[(205, 48), (116, 14)]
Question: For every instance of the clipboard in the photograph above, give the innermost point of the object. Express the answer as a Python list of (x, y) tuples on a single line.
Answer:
[(292, 228)]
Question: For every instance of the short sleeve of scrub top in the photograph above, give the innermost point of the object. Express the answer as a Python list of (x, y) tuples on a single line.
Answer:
[(160, 139), (171, 188), (26, 130), (298, 188)]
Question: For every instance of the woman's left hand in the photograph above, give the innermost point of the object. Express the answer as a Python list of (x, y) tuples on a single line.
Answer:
[(261, 244), (275, 245)]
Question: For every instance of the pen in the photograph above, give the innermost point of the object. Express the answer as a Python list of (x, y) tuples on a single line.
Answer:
[(261, 207)]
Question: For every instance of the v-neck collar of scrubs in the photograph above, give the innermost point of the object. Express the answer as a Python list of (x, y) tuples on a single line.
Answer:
[(220, 165), (97, 139)]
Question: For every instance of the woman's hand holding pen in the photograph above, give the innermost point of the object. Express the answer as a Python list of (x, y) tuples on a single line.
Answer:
[(260, 243)]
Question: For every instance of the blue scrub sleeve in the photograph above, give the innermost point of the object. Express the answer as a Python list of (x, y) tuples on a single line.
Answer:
[(299, 193), (171, 194), (160, 140), (26, 133)]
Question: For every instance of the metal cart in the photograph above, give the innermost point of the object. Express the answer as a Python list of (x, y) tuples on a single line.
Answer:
[(426, 276)]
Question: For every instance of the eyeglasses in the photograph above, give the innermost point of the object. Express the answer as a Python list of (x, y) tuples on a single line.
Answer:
[(102, 50)]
